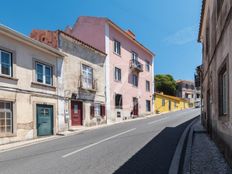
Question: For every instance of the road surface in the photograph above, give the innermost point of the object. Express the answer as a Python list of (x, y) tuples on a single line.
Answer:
[(141, 146)]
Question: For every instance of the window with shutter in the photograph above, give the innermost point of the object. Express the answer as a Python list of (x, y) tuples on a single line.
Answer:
[(103, 112)]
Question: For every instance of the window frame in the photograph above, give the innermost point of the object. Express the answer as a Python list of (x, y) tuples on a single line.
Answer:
[(97, 108), (147, 65), (163, 102), (117, 47), (118, 104), (148, 86), (10, 63), (44, 66), (117, 77), (148, 101), (134, 82), (223, 69), (88, 77), (5, 111)]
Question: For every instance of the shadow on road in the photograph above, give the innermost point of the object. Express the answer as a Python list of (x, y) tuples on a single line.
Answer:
[(156, 156)]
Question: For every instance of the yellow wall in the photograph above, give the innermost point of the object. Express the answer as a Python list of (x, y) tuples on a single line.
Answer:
[(160, 99)]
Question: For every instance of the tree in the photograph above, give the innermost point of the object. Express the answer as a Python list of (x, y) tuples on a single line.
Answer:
[(165, 83)]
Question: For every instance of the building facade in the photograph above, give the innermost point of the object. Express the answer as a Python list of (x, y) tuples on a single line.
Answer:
[(166, 103), (215, 35), (186, 89), (83, 78), (128, 69), (29, 85)]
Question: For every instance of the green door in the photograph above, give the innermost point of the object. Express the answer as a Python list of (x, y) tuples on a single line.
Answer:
[(44, 120)]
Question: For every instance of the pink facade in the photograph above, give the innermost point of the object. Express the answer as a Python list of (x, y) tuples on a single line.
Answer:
[(102, 33)]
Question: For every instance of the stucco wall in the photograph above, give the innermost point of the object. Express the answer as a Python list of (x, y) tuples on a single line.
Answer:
[(27, 94), (220, 44), (76, 56)]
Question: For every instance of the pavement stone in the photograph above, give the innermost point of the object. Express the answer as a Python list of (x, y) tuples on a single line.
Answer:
[(205, 156)]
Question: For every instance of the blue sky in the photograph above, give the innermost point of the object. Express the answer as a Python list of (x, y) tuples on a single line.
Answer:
[(167, 27)]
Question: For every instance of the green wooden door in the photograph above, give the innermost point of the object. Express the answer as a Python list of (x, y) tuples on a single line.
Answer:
[(44, 120)]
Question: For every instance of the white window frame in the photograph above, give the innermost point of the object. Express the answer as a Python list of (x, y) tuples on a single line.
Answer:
[(117, 47), (147, 66), (86, 76), (148, 86), (116, 74), (148, 101), (10, 63), (5, 111), (44, 73)]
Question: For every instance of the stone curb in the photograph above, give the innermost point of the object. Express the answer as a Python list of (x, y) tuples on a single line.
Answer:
[(175, 167)]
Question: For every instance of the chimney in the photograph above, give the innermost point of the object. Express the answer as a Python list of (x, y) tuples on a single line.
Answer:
[(47, 37), (131, 34)]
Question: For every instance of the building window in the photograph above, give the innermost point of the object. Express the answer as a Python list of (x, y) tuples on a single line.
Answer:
[(147, 66), (163, 102), (175, 105), (43, 73), (147, 86), (148, 105), (198, 96), (5, 63), (87, 77), (135, 80), (6, 117), (97, 109), (118, 101), (134, 57), (223, 91), (117, 47), (117, 74)]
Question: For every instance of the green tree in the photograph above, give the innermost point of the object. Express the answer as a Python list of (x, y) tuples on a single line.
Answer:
[(165, 83)]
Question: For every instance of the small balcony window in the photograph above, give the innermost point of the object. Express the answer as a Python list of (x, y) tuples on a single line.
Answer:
[(117, 74), (118, 101), (117, 47), (135, 80)]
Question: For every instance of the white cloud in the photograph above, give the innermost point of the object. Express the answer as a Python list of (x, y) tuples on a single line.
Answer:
[(182, 36)]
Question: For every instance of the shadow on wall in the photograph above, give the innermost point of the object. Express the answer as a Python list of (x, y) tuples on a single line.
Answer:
[(156, 156)]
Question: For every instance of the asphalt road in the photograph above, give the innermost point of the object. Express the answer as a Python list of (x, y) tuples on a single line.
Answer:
[(141, 146)]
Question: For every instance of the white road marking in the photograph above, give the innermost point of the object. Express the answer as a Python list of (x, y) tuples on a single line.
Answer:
[(152, 122), (94, 144)]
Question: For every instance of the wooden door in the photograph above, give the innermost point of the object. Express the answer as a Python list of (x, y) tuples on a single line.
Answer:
[(76, 113)]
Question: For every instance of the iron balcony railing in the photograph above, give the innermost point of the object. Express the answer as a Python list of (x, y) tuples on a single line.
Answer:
[(88, 83), (136, 65)]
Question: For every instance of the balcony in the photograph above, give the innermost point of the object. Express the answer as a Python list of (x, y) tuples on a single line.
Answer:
[(135, 65), (87, 83)]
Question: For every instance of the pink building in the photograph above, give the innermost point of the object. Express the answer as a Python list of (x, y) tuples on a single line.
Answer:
[(129, 67)]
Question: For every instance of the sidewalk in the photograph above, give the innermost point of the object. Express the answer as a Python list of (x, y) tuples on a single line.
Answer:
[(205, 156)]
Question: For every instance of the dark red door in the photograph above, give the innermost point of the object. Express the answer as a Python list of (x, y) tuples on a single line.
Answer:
[(135, 107), (76, 113)]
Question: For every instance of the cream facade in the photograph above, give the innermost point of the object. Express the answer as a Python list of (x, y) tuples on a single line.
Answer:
[(83, 78), (30, 79)]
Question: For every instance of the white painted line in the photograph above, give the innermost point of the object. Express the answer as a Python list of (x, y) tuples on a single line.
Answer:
[(152, 122), (94, 144)]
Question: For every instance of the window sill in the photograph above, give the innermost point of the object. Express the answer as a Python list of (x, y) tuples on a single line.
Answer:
[(7, 135), (119, 55), (43, 85), (118, 81), (224, 118), (8, 77)]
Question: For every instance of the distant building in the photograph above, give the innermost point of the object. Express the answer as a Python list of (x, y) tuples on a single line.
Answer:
[(167, 103), (215, 35), (187, 90)]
